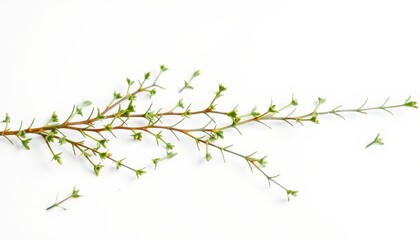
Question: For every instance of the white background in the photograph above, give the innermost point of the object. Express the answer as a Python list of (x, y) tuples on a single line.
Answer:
[(53, 54)]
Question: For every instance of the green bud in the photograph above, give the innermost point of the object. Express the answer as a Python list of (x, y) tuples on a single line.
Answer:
[(272, 108), (291, 193), (140, 172), (137, 136), (22, 134), (262, 162), (108, 127), (54, 117), (119, 164), (152, 92), (314, 119), (412, 104), (25, 143), (219, 134), (146, 75), (116, 95), (129, 82), (186, 113), (102, 143), (62, 140), (79, 111), (104, 155), (87, 103), (75, 193), (130, 109), (222, 88), (163, 68), (187, 85), (196, 74), (99, 115), (169, 146), (97, 168), (321, 100), (294, 102), (57, 158)]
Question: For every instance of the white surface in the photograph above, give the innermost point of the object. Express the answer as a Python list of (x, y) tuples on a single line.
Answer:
[(56, 53)]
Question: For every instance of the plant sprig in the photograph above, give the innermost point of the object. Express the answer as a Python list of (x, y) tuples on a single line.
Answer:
[(378, 140), (74, 194), (121, 115)]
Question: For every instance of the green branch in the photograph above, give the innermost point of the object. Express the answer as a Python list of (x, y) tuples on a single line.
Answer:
[(120, 114)]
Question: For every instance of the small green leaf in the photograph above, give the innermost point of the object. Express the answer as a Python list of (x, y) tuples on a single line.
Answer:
[(130, 108), (196, 74), (140, 172), (25, 143), (171, 155), (262, 162), (212, 137), (75, 193), (137, 136), (129, 82), (150, 116), (321, 100), (79, 111), (54, 118), (103, 155), (222, 88), (97, 168), (152, 92), (22, 134), (378, 140), (116, 95), (132, 97), (180, 104), (155, 161), (99, 115), (186, 113), (412, 104), (108, 127), (87, 103), (169, 146), (272, 108), (163, 68), (56, 157), (86, 154), (103, 142), (6, 119), (291, 193), (187, 85), (119, 164), (146, 75), (208, 157), (158, 137), (314, 119), (294, 102), (232, 114), (50, 136), (220, 91), (62, 140), (254, 112), (219, 134)]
